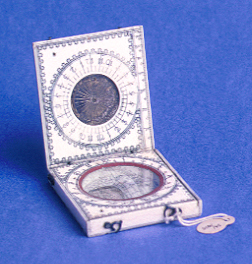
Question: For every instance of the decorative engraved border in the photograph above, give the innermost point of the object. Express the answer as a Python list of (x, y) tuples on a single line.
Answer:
[(126, 208), (46, 96), (136, 119)]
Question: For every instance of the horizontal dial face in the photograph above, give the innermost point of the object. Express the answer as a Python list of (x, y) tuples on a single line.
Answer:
[(95, 98), (121, 181)]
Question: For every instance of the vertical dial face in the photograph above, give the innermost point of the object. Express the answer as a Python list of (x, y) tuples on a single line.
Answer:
[(94, 98)]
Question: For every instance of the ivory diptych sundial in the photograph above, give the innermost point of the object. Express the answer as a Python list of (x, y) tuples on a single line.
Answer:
[(98, 134)]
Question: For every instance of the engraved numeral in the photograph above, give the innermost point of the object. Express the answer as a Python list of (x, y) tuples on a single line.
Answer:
[(72, 69), (100, 61), (129, 113), (109, 62), (60, 86), (90, 61), (82, 136), (100, 137), (65, 77), (117, 129), (81, 64)]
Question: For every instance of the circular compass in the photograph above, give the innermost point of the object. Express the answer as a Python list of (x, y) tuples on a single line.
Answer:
[(121, 181), (94, 98)]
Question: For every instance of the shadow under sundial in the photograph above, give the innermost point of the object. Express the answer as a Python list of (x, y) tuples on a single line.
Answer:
[(25, 151)]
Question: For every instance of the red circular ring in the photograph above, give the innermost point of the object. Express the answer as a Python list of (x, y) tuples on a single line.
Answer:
[(161, 179)]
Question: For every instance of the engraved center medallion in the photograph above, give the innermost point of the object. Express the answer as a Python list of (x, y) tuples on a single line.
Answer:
[(95, 99)]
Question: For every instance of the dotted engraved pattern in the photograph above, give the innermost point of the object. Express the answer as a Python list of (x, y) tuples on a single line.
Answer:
[(135, 116), (97, 208), (50, 121)]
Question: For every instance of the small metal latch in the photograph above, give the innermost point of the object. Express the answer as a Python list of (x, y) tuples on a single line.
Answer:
[(170, 213), (50, 179), (114, 227)]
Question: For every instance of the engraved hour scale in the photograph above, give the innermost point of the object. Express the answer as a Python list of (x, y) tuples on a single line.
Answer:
[(98, 134)]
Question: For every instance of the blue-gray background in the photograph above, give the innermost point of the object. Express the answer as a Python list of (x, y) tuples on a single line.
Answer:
[(199, 56)]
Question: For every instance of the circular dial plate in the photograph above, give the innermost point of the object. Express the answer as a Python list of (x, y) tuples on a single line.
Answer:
[(121, 181), (95, 99), (109, 125)]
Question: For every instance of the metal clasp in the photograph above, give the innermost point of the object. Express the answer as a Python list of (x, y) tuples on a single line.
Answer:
[(170, 213), (114, 227)]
